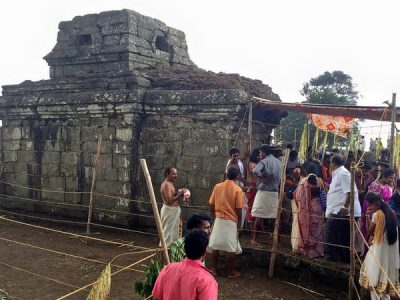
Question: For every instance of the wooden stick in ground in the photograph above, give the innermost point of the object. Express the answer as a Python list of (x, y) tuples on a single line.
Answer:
[(96, 161), (352, 225), (392, 131), (278, 216), (155, 208)]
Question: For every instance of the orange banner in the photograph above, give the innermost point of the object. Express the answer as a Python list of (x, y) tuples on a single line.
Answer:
[(341, 126)]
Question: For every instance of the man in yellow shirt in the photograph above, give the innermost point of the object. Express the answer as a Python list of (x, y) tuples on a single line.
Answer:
[(226, 203)]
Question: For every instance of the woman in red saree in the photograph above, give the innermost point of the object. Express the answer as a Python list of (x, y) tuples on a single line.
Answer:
[(310, 216)]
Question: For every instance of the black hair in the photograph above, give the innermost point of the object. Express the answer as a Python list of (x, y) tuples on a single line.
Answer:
[(196, 242), (168, 171), (312, 179), (327, 157), (398, 183), (387, 172), (367, 165), (232, 173), (233, 151), (390, 218), (338, 160), (293, 154), (196, 221), (253, 156), (266, 149), (309, 168)]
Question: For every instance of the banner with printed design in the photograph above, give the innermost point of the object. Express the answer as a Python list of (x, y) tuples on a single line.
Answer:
[(341, 126)]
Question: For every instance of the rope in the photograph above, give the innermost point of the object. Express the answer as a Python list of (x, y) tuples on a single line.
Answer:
[(94, 193), (42, 190), (313, 215), (42, 201), (73, 234), (90, 284), (66, 254), (311, 262), (38, 275), (79, 223)]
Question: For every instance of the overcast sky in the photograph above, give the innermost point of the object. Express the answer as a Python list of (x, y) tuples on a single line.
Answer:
[(283, 43)]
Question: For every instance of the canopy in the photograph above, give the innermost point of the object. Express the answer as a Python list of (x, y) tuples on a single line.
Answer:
[(378, 113)]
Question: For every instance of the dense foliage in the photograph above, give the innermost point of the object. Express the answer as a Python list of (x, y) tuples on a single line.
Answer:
[(327, 88)]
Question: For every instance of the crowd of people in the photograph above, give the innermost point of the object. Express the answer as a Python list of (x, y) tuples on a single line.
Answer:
[(318, 190)]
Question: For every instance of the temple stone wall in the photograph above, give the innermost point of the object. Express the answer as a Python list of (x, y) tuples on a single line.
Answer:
[(129, 79)]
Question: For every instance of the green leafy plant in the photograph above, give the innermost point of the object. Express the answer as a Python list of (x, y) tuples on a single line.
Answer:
[(144, 288)]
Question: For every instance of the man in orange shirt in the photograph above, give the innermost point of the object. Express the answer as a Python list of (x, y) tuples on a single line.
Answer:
[(226, 203)]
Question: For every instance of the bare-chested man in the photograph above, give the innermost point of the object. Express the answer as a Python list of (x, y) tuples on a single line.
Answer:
[(170, 211)]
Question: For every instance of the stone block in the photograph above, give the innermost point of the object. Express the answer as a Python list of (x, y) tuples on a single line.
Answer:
[(9, 156), (105, 161), (200, 197), (51, 170), (121, 161), (204, 181), (12, 133), (154, 162), (68, 170), (109, 187), (121, 148), (69, 158), (19, 167), (123, 175), (99, 122), (111, 174), (8, 167), (11, 145), (54, 183), (154, 149), (53, 195), (154, 135), (71, 184), (190, 163), (26, 145), (124, 134), (92, 133), (89, 147), (51, 157), (54, 145), (26, 156), (214, 164)]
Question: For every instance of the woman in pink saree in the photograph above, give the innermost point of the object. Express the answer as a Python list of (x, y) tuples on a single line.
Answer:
[(310, 216), (382, 187)]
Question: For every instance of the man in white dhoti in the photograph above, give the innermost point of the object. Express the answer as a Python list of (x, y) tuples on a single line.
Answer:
[(170, 211), (226, 203), (236, 161), (268, 170)]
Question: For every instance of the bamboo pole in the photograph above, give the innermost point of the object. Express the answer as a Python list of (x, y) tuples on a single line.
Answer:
[(250, 124), (250, 131), (352, 225), (90, 207), (278, 216), (308, 138), (155, 208), (392, 131)]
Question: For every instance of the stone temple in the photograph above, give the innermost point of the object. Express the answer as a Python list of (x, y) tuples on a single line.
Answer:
[(129, 79)]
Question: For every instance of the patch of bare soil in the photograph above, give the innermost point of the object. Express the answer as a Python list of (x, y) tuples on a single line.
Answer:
[(33, 273)]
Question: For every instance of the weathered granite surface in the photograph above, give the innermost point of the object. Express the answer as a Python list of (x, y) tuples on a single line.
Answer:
[(128, 78)]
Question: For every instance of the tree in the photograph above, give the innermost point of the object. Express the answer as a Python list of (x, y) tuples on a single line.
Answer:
[(327, 88)]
